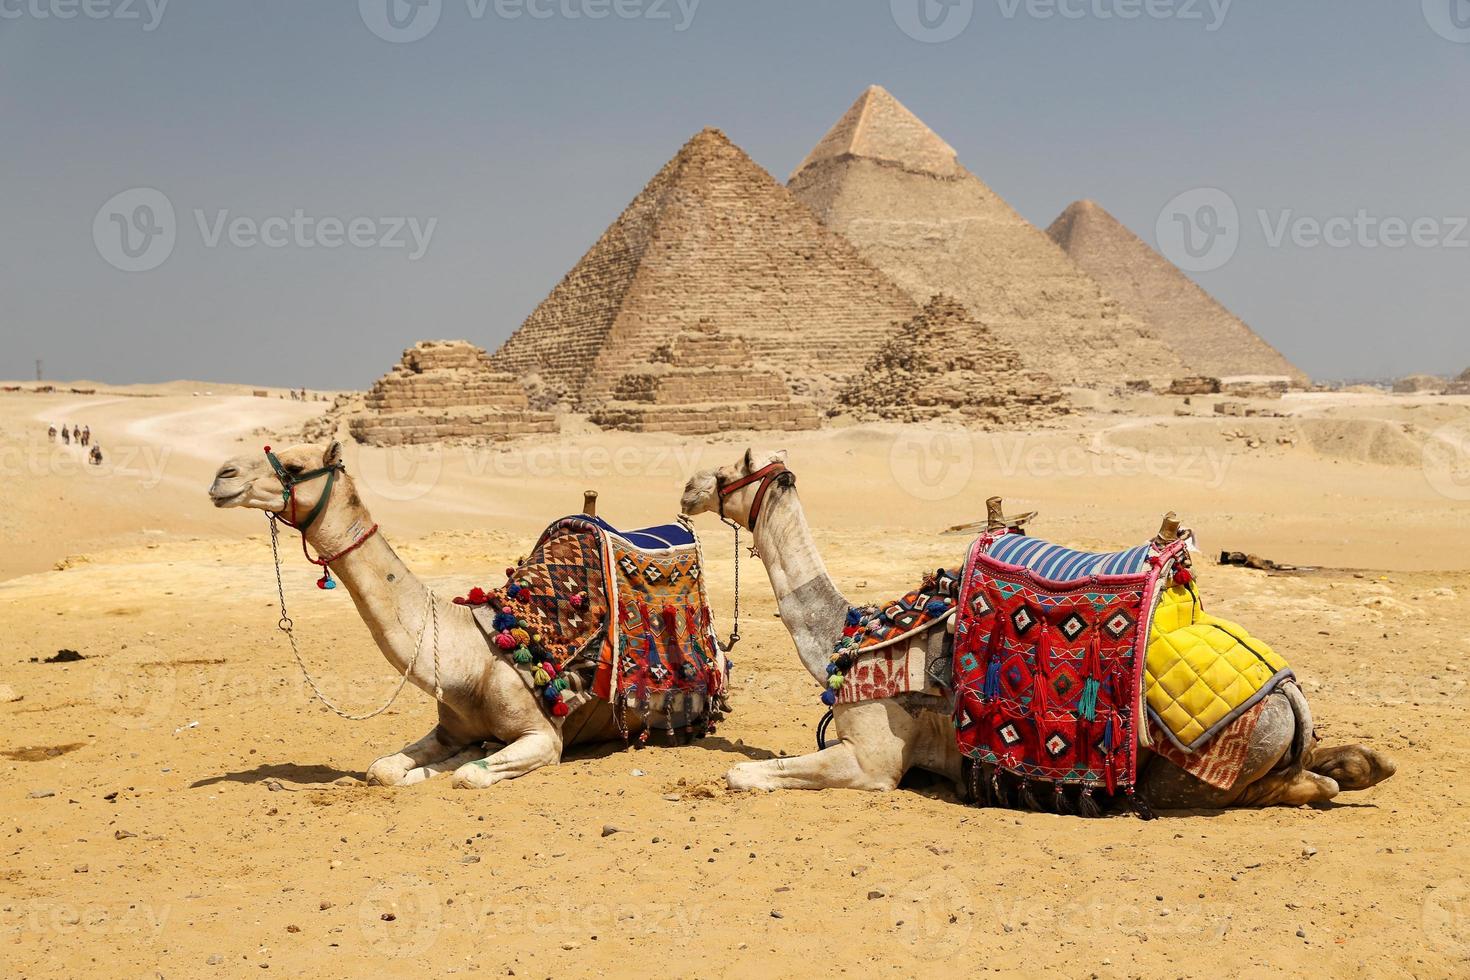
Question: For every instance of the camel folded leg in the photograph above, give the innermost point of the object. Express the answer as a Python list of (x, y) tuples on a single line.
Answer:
[(835, 767), (450, 764), (393, 770), (525, 754), (1352, 767)]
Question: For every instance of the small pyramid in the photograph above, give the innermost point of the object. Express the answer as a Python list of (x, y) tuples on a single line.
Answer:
[(943, 365), (1208, 338), (446, 389), (882, 180), (879, 127), (702, 381), (711, 238), (1459, 386)]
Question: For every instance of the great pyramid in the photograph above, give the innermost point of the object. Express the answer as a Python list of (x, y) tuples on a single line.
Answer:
[(1208, 338), (893, 188), (712, 238), (702, 382), (943, 365), (1460, 385), (446, 389)]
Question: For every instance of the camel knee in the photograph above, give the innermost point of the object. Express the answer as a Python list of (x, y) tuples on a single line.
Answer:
[(1289, 789)]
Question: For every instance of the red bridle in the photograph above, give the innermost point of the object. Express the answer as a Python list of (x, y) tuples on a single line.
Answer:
[(764, 476)]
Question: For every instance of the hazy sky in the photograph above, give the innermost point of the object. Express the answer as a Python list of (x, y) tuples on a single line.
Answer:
[(513, 131)]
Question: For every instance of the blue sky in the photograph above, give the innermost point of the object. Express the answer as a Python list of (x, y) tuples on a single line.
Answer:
[(511, 140)]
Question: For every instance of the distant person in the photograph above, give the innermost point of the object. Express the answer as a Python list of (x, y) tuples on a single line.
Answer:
[(76, 432), (86, 435), (65, 435), (95, 456), (51, 434)]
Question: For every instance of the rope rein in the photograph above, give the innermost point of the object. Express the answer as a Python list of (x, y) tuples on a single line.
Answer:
[(285, 625)]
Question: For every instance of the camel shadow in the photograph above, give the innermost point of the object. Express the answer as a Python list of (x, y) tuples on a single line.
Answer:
[(656, 740), (285, 772)]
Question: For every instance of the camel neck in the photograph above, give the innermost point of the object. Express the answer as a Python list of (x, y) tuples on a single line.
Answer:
[(389, 597), (811, 606)]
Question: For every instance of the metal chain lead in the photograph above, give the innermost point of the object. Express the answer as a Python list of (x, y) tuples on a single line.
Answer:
[(431, 614)]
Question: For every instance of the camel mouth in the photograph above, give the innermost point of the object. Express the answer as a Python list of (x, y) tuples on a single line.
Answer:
[(226, 500)]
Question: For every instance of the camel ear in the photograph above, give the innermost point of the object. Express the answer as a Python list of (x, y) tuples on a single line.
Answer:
[(780, 455), (334, 454)]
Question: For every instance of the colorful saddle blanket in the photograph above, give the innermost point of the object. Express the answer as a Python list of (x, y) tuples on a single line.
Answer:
[(1048, 671), (1203, 672), (596, 612), (876, 656)]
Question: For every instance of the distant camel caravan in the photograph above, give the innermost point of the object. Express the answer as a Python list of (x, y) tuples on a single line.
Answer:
[(1023, 698), (519, 672)]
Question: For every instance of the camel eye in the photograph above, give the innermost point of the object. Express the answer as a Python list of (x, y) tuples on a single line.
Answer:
[(293, 468), (228, 473)]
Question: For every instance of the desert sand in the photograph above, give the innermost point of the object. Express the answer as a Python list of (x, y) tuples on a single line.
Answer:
[(176, 804)]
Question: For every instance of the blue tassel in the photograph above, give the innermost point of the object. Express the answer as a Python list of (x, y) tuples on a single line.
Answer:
[(831, 669), (505, 621), (1087, 704), (991, 688), (936, 607), (854, 616), (551, 693), (829, 698)]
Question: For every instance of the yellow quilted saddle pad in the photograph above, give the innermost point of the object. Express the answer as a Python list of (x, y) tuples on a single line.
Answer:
[(1202, 671)]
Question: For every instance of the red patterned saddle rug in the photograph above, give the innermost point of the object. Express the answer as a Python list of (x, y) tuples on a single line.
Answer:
[(876, 656), (1048, 671), (598, 613)]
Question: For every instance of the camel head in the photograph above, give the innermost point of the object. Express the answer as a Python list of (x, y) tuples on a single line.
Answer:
[(251, 481), (702, 492)]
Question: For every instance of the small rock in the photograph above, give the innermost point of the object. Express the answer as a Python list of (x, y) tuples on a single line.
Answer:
[(293, 928), (8, 694), (40, 794), (1301, 934), (608, 830), (334, 864), (388, 917), (776, 914), (215, 960), (274, 785), (639, 772), (122, 834), (1308, 852), (470, 859), (570, 945), (324, 905), (80, 869), (875, 893)]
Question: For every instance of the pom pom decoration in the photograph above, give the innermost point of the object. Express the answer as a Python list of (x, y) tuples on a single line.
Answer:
[(831, 669), (523, 656), (578, 600), (854, 616), (504, 621), (551, 693), (505, 641), (510, 572), (829, 698), (937, 607), (835, 681), (560, 709), (522, 637), (542, 677), (1183, 576)]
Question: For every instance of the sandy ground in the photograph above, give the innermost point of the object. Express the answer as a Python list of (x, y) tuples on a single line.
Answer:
[(176, 804)]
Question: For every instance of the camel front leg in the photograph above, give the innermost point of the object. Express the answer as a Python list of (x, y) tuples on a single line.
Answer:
[(432, 769), (393, 770), (835, 767), (529, 752)]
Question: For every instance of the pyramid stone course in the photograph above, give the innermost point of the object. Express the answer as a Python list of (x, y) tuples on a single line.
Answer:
[(701, 382), (446, 389), (895, 189), (1208, 338), (944, 365), (711, 238), (1460, 385)]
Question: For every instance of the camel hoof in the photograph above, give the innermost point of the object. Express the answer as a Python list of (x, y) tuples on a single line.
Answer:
[(472, 775), (739, 780), (381, 774)]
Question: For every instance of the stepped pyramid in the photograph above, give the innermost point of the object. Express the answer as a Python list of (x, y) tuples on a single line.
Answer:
[(945, 365), (1206, 336), (1460, 385), (446, 389), (892, 187), (701, 382), (711, 238)]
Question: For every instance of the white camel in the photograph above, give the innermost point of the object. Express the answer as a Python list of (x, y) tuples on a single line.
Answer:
[(429, 639), (881, 740)]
